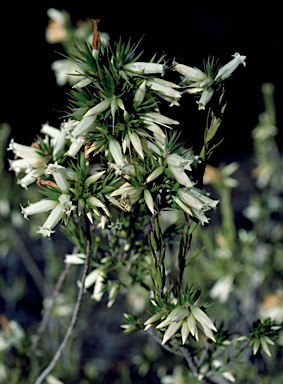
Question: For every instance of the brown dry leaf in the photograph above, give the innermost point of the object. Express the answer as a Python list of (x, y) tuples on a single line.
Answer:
[(95, 37)]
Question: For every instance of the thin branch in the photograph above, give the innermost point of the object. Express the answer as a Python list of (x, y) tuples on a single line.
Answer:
[(74, 319), (185, 245), (47, 313)]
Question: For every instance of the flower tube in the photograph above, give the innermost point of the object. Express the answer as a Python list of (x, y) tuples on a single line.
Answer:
[(44, 205), (193, 74), (205, 98), (52, 220), (226, 71), (58, 172), (144, 68)]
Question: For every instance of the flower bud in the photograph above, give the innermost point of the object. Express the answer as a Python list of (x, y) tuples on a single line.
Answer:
[(193, 74), (205, 98), (144, 68)]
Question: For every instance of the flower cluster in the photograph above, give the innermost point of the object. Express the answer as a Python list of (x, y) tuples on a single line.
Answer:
[(184, 315), (115, 148), (189, 318), (199, 82)]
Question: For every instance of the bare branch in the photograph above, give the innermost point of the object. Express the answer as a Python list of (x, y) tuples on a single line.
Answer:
[(74, 319), (46, 316)]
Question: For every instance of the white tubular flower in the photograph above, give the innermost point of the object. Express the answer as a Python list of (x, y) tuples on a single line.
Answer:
[(164, 90), (196, 200), (226, 71), (99, 286), (192, 74), (76, 145), (181, 176), (177, 165), (30, 177), (194, 90), (182, 205), (129, 195), (75, 258), (96, 278), (98, 108), (59, 174), (64, 71), (69, 125), (44, 205), (205, 98), (30, 162), (206, 83), (114, 290), (53, 219), (66, 204), (207, 201), (85, 125), (58, 137), (30, 154), (175, 160), (229, 376), (166, 83), (103, 221), (25, 165), (50, 131), (194, 203), (144, 68)]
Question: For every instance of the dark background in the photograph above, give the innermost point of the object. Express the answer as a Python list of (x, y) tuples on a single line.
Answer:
[(187, 31)]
